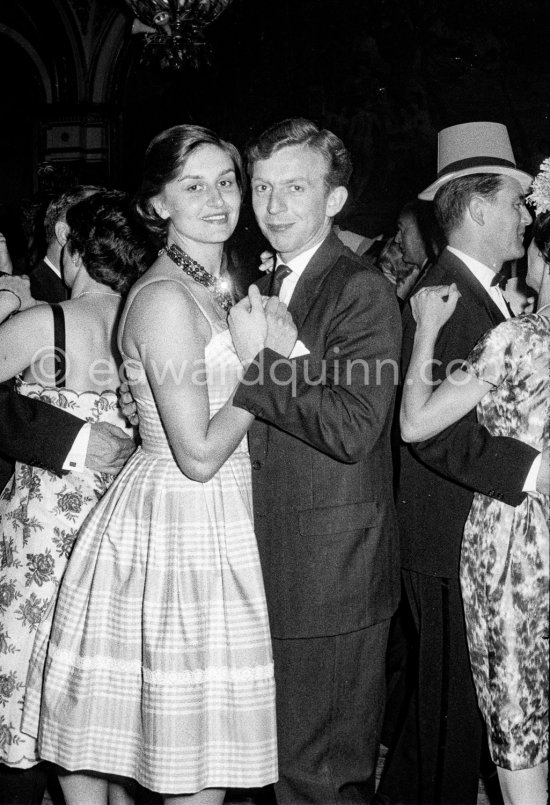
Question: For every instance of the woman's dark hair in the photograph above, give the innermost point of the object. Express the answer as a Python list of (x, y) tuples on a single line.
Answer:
[(109, 239), (541, 234), (165, 159)]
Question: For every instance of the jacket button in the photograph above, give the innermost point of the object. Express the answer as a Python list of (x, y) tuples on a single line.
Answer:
[(256, 465)]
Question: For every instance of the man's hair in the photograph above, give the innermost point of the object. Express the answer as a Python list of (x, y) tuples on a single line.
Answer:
[(300, 131), (58, 206), (165, 159), (541, 234), (451, 200)]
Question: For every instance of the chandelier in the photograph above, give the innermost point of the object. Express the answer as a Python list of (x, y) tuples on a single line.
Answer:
[(173, 30)]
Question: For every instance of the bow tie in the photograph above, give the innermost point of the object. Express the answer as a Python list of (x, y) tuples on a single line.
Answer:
[(500, 279)]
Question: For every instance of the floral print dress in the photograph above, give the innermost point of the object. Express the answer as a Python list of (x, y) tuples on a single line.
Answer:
[(40, 515), (505, 553)]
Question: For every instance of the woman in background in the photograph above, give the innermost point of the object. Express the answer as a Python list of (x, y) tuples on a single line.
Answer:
[(65, 355)]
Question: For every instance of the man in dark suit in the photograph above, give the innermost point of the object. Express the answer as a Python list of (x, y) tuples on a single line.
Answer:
[(46, 277), (479, 205), (321, 469)]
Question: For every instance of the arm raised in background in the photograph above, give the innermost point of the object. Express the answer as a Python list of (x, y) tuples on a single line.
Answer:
[(426, 411)]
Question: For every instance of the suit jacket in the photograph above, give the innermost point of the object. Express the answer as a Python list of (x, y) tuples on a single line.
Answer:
[(439, 476), (46, 285), (34, 432), (320, 450)]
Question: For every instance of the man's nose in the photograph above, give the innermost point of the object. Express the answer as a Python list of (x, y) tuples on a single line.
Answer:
[(526, 216), (275, 203)]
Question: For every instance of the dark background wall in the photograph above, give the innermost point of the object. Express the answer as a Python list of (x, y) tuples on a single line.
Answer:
[(78, 103)]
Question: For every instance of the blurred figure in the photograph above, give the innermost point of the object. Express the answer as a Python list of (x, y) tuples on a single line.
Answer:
[(47, 282), (420, 241), (5, 260)]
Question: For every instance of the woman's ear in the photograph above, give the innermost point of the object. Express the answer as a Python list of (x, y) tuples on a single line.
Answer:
[(158, 206)]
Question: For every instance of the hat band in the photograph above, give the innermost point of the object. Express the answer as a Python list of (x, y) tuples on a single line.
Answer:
[(475, 162)]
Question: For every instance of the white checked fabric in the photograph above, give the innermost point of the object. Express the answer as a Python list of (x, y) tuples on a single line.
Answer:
[(160, 665)]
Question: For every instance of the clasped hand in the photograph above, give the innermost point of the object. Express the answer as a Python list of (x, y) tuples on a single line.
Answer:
[(433, 306), (256, 325)]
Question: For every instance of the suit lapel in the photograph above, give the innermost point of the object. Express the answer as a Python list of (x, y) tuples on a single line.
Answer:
[(310, 283), (462, 275)]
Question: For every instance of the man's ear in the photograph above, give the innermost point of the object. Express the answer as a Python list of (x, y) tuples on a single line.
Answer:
[(476, 209), (337, 197), (61, 232), (158, 206)]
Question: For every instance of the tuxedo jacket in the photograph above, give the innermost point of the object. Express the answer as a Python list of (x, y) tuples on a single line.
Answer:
[(31, 431), (320, 450), (439, 476), (46, 285)]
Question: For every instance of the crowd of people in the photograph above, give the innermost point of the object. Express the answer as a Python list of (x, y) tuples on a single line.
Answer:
[(207, 532)]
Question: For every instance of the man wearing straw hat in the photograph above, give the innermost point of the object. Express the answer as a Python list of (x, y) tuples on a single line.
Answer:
[(479, 202)]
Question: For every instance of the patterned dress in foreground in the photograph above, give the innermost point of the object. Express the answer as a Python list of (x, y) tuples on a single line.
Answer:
[(505, 553), (40, 515), (160, 665)]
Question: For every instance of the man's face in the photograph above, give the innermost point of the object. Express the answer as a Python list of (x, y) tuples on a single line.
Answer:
[(292, 204), (410, 241), (505, 220)]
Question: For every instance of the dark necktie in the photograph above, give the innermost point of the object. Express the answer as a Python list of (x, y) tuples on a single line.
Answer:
[(279, 274), (500, 279)]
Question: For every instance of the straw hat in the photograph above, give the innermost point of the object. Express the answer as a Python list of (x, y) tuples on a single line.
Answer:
[(474, 148)]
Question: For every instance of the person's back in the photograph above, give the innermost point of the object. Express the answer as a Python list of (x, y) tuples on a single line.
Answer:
[(65, 355)]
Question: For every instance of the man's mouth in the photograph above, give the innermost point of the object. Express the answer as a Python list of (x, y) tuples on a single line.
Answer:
[(219, 218), (279, 227)]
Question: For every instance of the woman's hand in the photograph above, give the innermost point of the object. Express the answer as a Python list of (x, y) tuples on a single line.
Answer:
[(127, 404), (433, 306), (281, 330), (267, 261), (248, 326)]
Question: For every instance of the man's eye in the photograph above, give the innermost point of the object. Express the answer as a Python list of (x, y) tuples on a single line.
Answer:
[(297, 188), (260, 188)]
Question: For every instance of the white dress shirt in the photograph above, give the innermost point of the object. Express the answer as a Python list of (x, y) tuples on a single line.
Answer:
[(297, 265)]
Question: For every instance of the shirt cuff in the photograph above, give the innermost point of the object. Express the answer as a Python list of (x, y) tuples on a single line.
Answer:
[(76, 458), (530, 484)]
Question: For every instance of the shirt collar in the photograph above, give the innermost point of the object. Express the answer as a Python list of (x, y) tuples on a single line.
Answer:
[(53, 267), (481, 272), (299, 263)]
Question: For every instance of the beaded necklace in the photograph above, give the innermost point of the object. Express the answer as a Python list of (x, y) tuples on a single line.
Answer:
[(218, 287)]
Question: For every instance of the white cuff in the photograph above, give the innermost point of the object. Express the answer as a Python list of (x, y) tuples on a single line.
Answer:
[(76, 458), (530, 484)]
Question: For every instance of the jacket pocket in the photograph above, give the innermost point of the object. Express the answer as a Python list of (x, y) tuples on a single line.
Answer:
[(337, 519)]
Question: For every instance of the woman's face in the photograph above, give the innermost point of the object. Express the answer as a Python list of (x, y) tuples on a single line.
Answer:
[(203, 203), (536, 266)]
